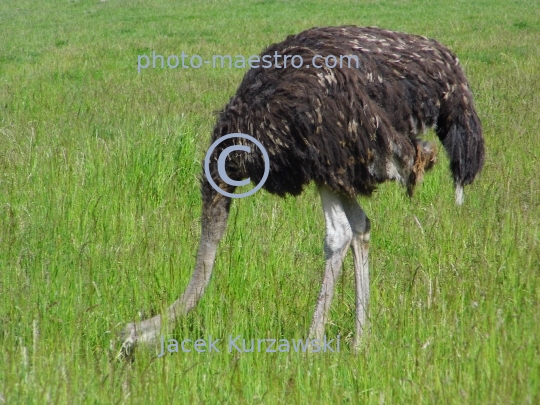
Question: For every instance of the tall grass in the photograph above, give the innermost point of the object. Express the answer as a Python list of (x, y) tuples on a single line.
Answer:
[(100, 208)]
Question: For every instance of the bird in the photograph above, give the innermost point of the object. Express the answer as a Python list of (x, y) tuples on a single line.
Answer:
[(344, 107)]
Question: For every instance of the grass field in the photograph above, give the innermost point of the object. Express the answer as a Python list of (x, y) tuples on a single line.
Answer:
[(100, 216)]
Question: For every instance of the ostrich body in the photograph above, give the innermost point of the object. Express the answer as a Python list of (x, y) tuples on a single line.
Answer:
[(345, 128)]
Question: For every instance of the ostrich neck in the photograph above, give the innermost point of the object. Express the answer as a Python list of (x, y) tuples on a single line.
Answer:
[(214, 223)]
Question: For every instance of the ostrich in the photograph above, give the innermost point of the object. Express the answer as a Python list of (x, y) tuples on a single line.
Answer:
[(347, 128)]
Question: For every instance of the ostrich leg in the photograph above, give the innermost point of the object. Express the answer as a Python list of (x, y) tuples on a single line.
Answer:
[(360, 226), (337, 241), (214, 221)]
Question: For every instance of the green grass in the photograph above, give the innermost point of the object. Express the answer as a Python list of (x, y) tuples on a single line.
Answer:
[(100, 216)]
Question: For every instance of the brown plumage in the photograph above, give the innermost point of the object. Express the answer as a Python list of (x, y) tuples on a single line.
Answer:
[(346, 127)]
